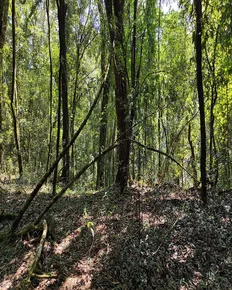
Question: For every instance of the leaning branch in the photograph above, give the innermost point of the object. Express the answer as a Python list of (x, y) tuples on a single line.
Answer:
[(54, 165), (165, 154)]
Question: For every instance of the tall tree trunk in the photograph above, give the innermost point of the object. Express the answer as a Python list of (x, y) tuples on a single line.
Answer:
[(105, 99), (159, 98), (2, 92), (134, 80), (4, 5), (13, 97), (57, 138), (213, 160), (228, 140), (63, 87), (74, 108), (50, 87), (114, 10), (103, 128), (133, 63), (198, 10)]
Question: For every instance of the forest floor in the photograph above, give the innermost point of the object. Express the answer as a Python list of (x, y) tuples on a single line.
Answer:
[(147, 238)]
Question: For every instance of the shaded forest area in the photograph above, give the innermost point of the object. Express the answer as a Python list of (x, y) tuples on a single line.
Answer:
[(115, 148)]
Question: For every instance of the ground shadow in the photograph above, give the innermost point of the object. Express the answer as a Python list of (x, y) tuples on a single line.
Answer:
[(143, 239)]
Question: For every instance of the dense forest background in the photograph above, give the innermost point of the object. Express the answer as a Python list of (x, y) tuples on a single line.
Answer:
[(136, 94), (53, 60)]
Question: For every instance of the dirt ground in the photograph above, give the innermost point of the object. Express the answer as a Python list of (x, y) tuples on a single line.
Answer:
[(147, 238)]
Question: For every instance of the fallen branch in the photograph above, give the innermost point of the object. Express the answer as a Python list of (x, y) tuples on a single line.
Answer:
[(39, 251), (165, 154)]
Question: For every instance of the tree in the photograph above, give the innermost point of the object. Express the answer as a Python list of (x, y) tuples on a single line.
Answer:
[(198, 10), (63, 87), (3, 21), (13, 96), (4, 5), (105, 99), (50, 85), (115, 16)]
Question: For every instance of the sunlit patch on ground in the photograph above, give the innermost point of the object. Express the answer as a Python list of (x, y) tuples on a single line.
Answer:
[(66, 242), (181, 254), (145, 239)]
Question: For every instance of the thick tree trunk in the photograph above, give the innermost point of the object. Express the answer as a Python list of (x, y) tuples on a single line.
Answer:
[(63, 87), (114, 10), (198, 9)]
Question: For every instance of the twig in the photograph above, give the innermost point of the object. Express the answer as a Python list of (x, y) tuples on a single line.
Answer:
[(165, 154)]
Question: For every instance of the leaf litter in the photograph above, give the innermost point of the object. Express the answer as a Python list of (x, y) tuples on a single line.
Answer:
[(147, 238)]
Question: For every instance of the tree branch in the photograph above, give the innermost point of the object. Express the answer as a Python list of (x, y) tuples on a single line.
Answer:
[(165, 154)]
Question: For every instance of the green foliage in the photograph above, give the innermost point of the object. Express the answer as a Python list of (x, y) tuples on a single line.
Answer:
[(165, 93)]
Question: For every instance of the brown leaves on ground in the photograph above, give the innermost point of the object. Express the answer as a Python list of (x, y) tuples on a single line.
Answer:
[(160, 238)]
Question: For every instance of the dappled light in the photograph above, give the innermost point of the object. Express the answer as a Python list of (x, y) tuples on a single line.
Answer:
[(66, 242), (115, 145), (105, 243)]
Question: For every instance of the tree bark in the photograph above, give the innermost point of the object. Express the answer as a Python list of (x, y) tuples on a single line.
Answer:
[(198, 10), (213, 159), (63, 86), (13, 101), (50, 86), (105, 99), (102, 141), (4, 5), (114, 10)]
